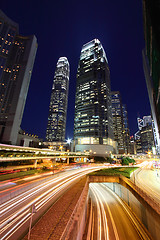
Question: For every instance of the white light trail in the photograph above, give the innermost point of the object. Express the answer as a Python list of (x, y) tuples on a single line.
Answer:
[(17, 218)]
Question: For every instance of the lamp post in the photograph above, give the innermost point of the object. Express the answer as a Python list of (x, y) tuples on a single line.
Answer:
[(61, 147), (69, 140)]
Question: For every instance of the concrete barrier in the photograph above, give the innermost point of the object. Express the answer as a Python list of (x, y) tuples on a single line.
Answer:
[(76, 224)]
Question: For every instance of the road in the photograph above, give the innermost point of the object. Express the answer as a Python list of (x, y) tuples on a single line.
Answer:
[(148, 180), (110, 218), (16, 212)]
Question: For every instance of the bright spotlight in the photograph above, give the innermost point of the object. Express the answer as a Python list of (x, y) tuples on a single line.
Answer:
[(69, 140)]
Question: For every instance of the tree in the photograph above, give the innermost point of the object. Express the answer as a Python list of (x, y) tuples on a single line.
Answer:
[(125, 161)]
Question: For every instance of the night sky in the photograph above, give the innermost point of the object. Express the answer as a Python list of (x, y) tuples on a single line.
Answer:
[(61, 28)]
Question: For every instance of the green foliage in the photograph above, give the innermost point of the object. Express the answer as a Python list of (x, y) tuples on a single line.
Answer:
[(124, 161), (10, 153), (125, 171), (21, 174), (127, 160)]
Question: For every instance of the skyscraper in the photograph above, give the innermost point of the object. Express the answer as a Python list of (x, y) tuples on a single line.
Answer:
[(144, 137), (147, 140), (58, 104), (17, 54), (93, 113), (126, 129), (151, 61), (118, 123)]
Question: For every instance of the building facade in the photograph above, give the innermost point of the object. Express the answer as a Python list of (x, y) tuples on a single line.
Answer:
[(58, 104), (93, 124), (151, 61), (132, 145), (118, 123), (126, 129), (144, 137), (17, 55), (143, 122), (147, 140)]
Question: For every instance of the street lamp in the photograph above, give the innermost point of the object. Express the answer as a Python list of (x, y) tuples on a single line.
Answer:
[(61, 147), (69, 140)]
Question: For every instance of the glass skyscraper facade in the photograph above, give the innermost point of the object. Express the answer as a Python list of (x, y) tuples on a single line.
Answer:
[(17, 55), (93, 109), (58, 104), (118, 124), (126, 129)]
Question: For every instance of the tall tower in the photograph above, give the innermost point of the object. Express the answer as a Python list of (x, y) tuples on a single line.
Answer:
[(17, 55), (126, 129), (118, 124), (93, 115), (58, 104)]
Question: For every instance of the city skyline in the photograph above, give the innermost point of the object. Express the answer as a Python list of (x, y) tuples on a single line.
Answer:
[(121, 34)]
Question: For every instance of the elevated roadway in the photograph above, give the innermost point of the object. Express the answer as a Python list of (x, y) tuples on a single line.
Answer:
[(38, 153), (148, 180)]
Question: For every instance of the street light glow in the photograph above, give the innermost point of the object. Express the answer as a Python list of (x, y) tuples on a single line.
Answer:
[(69, 140)]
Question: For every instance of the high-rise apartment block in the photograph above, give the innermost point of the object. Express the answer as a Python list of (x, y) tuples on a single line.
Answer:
[(151, 61), (58, 104), (17, 55), (93, 126)]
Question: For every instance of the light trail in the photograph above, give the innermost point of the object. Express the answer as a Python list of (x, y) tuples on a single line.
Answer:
[(38, 203), (29, 193), (101, 215), (101, 196), (119, 219), (147, 180), (41, 187), (16, 212), (140, 230)]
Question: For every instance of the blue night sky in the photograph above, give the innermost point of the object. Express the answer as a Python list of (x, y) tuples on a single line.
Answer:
[(61, 28)]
